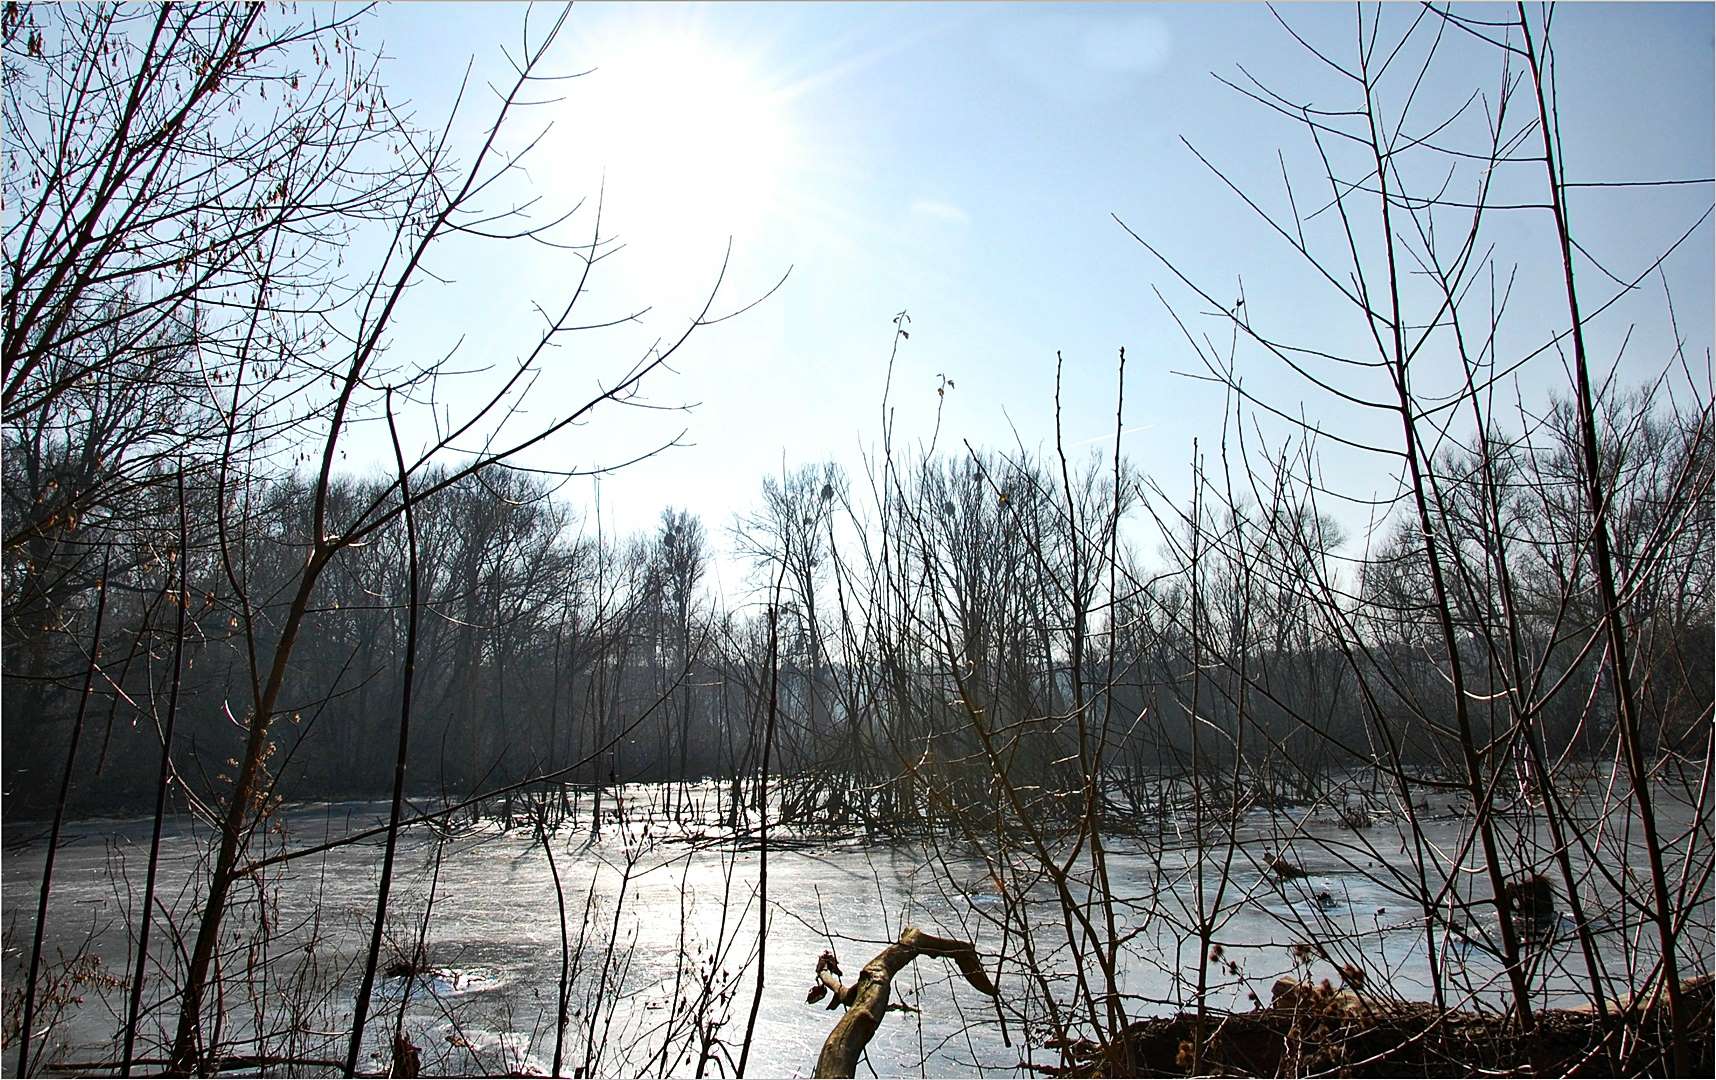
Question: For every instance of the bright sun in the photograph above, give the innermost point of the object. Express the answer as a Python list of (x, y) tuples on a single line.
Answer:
[(692, 142)]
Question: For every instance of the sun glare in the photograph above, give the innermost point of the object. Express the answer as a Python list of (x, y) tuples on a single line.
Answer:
[(694, 144)]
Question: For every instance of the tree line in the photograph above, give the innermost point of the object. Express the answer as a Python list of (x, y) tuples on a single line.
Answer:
[(541, 641)]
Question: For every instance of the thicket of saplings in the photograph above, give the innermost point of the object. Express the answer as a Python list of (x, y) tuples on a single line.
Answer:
[(1027, 658)]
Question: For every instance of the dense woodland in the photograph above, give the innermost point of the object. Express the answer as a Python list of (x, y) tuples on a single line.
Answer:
[(544, 647), (207, 610)]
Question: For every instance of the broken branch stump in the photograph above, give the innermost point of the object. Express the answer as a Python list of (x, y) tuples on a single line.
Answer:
[(866, 1000)]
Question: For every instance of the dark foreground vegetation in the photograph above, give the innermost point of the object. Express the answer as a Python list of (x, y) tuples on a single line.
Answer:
[(1317, 1029), (1029, 654)]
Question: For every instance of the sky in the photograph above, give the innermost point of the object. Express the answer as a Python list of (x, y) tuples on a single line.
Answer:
[(966, 164)]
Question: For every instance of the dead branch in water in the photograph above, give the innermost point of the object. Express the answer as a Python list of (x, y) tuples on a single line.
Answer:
[(867, 998)]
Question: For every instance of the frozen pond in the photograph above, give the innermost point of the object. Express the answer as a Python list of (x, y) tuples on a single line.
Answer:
[(662, 921)]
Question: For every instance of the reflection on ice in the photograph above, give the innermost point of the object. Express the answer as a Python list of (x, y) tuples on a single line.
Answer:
[(441, 982)]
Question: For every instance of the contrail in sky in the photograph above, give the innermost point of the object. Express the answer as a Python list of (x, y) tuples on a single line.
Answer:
[(1123, 431)]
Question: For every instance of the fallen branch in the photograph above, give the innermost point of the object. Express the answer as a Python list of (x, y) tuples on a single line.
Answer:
[(866, 1000)]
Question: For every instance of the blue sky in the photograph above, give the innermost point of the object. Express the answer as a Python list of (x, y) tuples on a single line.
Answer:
[(961, 163)]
